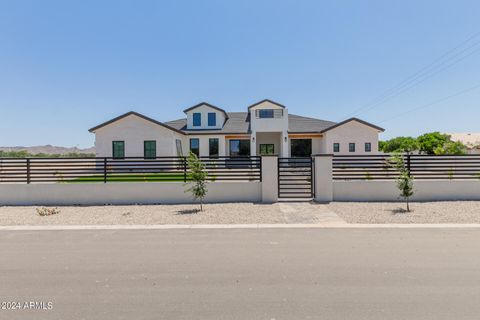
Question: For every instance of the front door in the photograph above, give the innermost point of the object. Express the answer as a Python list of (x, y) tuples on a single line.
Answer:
[(240, 148), (301, 147), (267, 149)]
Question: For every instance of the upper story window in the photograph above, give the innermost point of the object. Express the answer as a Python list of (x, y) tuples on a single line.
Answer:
[(268, 113), (197, 119), (212, 119), (265, 113)]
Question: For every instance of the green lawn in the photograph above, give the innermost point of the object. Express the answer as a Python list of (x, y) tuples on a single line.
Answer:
[(138, 177)]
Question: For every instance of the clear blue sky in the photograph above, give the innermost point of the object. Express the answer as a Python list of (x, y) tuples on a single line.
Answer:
[(66, 66)]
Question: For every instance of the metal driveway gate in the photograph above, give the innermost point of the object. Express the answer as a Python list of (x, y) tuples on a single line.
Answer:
[(295, 178)]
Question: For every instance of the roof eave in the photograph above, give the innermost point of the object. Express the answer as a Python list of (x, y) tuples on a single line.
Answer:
[(266, 100), (135, 114), (208, 105), (353, 119)]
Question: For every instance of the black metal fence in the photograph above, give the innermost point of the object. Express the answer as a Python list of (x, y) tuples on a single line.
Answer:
[(420, 166), (128, 169), (295, 178)]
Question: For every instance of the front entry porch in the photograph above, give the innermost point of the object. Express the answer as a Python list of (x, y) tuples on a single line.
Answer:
[(269, 143), (273, 143)]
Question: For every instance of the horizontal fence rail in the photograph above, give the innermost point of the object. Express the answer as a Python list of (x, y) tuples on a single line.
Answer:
[(128, 169), (295, 178), (420, 166)]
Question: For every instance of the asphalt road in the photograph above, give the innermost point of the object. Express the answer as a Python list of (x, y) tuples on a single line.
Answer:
[(243, 274)]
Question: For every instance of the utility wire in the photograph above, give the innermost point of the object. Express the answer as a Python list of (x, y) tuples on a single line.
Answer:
[(423, 72), (419, 82), (456, 94)]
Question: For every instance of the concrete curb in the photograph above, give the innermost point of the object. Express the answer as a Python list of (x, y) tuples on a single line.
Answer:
[(235, 226)]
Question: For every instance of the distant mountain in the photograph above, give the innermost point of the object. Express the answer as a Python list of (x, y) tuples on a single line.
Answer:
[(49, 149)]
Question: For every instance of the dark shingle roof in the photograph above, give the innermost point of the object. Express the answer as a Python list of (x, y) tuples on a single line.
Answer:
[(238, 122), (303, 124)]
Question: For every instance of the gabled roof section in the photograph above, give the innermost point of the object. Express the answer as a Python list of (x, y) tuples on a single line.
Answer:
[(353, 119), (133, 113), (300, 124), (208, 105), (237, 122), (266, 100)]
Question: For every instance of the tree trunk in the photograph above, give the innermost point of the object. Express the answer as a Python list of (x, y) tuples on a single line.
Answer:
[(408, 206), (201, 206)]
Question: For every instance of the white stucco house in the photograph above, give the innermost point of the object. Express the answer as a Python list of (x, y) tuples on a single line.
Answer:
[(265, 128)]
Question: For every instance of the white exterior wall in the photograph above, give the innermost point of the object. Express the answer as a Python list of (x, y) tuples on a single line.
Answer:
[(204, 144), (323, 178), (134, 131), (123, 193), (269, 124), (425, 190), (204, 110), (355, 132), (269, 179)]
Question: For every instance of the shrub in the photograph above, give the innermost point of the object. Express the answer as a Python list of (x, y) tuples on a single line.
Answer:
[(43, 211)]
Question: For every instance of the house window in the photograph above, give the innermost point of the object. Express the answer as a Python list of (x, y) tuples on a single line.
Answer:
[(267, 149), (150, 149), (178, 145), (351, 147), (368, 147), (118, 149), (212, 119), (336, 147), (197, 119), (213, 147), (265, 113), (195, 146), (301, 147), (239, 148)]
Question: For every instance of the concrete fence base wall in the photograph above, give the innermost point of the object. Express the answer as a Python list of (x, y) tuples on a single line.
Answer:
[(425, 190), (124, 193)]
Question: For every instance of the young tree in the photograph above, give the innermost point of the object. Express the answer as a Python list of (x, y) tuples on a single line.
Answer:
[(198, 178), (404, 179)]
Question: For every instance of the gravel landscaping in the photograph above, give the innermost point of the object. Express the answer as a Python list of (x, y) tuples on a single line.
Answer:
[(247, 213), (231, 213), (422, 212)]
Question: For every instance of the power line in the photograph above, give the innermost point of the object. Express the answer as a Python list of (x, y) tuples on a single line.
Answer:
[(426, 72), (421, 81), (456, 94)]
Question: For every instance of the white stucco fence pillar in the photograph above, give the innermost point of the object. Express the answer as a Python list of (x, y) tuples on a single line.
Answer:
[(269, 179), (323, 178)]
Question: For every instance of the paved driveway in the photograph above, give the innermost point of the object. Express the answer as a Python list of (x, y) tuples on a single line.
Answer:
[(243, 273)]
